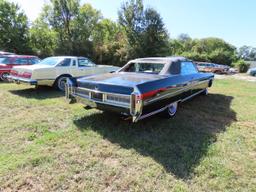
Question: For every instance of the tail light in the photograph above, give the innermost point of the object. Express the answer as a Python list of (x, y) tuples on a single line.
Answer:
[(27, 75), (136, 103), (14, 73)]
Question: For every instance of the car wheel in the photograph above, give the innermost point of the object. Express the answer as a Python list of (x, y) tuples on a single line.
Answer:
[(4, 76), (60, 83), (171, 110)]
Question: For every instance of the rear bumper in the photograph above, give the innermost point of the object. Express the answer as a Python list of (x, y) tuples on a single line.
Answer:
[(19, 80), (100, 105)]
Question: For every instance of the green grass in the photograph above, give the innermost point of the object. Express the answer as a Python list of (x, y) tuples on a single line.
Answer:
[(49, 145)]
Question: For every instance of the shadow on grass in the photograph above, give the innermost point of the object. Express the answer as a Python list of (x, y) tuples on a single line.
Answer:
[(177, 144), (42, 92)]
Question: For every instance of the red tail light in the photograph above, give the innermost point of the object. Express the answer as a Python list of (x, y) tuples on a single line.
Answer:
[(27, 75), (14, 73)]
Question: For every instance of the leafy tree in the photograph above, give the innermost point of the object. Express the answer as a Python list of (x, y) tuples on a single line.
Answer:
[(247, 53), (83, 27), (43, 40), (242, 66), (208, 49), (108, 41), (13, 28), (144, 29), (72, 24)]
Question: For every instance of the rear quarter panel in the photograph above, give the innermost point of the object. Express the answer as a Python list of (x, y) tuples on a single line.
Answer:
[(171, 89)]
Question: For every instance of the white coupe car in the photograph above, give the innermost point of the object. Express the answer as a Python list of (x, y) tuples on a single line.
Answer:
[(54, 71)]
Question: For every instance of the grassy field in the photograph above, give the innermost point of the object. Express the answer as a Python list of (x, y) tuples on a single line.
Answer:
[(49, 145)]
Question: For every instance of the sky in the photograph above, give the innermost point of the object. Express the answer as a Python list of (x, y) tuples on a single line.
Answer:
[(231, 20)]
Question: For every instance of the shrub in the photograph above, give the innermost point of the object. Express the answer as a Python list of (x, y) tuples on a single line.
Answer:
[(242, 66)]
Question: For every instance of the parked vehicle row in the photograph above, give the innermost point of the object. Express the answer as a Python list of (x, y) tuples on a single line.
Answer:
[(141, 88), (213, 68), (7, 62), (54, 71), (252, 72)]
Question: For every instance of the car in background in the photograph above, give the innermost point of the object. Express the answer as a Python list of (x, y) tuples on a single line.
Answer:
[(142, 88), (212, 68), (2, 53), (54, 71), (7, 62), (252, 72)]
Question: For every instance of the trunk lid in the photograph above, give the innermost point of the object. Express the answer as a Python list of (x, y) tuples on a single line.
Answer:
[(29, 68), (122, 83)]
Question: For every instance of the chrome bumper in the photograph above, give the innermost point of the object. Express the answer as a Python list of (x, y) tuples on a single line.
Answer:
[(19, 80), (101, 100)]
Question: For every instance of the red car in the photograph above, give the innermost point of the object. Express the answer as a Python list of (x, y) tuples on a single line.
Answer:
[(7, 62)]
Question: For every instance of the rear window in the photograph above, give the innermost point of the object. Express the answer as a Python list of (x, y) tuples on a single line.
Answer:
[(153, 68), (5, 60), (20, 61)]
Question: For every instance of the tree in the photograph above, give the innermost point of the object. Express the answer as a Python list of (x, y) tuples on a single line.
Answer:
[(72, 24), (13, 28), (108, 41), (247, 53), (144, 29), (43, 39), (208, 49)]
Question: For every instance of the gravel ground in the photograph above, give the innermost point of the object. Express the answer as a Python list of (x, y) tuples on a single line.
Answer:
[(239, 76)]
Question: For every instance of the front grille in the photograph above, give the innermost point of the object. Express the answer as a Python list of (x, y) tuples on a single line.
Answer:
[(118, 98)]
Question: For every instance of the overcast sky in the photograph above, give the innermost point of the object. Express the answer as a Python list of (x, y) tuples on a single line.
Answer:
[(231, 20)]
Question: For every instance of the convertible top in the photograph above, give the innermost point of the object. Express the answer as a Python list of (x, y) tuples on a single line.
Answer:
[(167, 61), (160, 59)]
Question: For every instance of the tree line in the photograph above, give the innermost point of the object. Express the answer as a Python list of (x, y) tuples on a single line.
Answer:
[(67, 27)]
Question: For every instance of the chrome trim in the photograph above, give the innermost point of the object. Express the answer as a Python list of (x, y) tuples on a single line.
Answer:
[(189, 97), (104, 97), (5, 69), (101, 102), (164, 108), (175, 92), (96, 91), (19, 80), (152, 113)]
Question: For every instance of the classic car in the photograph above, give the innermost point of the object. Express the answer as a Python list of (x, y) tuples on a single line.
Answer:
[(53, 71), (252, 72), (213, 68), (5, 53), (7, 62), (143, 87)]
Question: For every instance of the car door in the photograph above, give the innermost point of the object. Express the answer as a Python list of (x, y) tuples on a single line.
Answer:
[(63, 67), (85, 67), (190, 75)]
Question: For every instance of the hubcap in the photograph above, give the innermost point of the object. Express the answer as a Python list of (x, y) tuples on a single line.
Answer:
[(61, 83), (4, 76), (172, 108)]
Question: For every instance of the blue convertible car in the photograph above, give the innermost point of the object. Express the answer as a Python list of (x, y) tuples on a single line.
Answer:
[(143, 87)]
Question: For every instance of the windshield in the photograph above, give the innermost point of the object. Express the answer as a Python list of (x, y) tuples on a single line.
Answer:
[(51, 61), (152, 68)]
